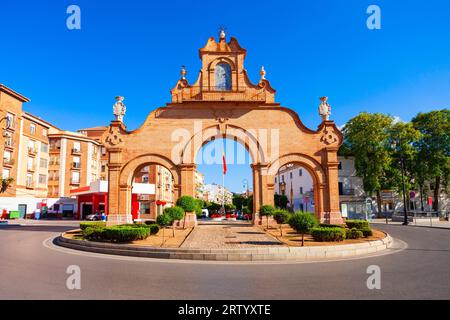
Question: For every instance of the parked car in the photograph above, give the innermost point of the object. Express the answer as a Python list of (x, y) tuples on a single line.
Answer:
[(94, 217), (205, 213)]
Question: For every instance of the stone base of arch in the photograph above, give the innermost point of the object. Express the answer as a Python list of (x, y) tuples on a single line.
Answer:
[(117, 219)]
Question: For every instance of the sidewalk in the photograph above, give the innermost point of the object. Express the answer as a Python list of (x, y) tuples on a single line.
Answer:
[(420, 223)]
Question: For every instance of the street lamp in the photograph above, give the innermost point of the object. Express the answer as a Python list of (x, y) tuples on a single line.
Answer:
[(402, 165)]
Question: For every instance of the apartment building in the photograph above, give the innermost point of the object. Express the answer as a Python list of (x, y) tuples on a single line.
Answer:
[(96, 133), (74, 162), (24, 145), (217, 193), (199, 180)]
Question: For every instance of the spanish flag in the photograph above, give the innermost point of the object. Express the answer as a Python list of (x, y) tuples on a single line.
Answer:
[(224, 162)]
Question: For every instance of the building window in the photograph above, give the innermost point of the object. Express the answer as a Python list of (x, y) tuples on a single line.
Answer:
[(9, 120), (103, 151), (341, 188), (282, 178), (42, 179), (290, 175), (44, 132), (76, 147), (31, 145), (223, 77), (44, 147), (30, 164), (43, 163), (75, 177), (8, 139), (340, 165), (32, 128), (5, 174), (275, 179), (301, 190), (29, 180), (300, 172), (7, 157), (76, 163)]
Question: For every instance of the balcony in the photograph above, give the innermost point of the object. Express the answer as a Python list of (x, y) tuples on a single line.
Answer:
[(31, 168), (198, 93), (76, 151), (29, 185), (32, 151), (8, 162), (75, 182), (9, 143)]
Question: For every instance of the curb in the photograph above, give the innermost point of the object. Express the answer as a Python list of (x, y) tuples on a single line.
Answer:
[(246, 254), (413, 225)]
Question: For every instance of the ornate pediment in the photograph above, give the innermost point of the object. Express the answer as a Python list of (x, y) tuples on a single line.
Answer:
[(223, 77)]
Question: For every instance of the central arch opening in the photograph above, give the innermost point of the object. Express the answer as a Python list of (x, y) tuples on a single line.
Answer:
[(224, 180)]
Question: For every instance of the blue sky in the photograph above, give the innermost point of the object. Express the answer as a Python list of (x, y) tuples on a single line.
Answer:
[(309, 49)]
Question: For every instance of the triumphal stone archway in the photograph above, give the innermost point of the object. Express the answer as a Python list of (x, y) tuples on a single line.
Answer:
[(223, 103)]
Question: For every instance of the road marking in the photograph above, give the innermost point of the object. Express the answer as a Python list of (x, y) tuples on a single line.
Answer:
[(398, 246)]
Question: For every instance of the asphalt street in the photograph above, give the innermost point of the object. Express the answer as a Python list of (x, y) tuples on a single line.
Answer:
[(31, 267)]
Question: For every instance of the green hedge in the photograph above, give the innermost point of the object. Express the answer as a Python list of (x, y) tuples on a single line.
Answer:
[(367, 232), (92, 224), (119, 234), (324, 225), (154, 228), (358, 224), (353, 234), (321, 234)]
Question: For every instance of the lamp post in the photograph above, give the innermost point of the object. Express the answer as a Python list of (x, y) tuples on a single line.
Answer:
[(402, 165)]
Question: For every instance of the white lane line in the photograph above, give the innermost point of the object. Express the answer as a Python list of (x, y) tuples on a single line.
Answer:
[(397, 246)]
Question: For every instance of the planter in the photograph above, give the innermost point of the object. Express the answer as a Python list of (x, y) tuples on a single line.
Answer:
[(190, 220), (231, 219)]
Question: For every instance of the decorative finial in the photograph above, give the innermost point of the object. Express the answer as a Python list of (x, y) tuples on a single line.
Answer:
[(183, 72), (222, 34), (262, 72), (324, 109), (119, 109)]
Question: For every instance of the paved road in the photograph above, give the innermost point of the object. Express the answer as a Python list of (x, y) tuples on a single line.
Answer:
[(31, 270)]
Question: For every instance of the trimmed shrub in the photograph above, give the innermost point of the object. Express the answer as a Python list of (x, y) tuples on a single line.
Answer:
[(176, 213), (321, 234), (119, 234), (353, 234), (302, 222), (154, 228), (92, 224), (324, 225), (123, 234), (358, 224), (267, 210), (367, 232), (164, 220), (281, 217), (188, 203)]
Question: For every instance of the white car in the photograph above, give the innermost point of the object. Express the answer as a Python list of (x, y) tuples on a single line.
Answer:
[(205, 213)]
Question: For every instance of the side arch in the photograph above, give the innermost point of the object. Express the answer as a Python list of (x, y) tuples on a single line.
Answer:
[(316, 171)]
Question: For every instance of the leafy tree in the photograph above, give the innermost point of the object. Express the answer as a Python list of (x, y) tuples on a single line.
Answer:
[(402, 138), (238, 201), (367, 137), (434, 149), (302, 222), (267, 210), (175, 213), (214, 207), (281, 217), (188, 203), (163, 221), (281, 201), (5, 184), (249, 203)]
